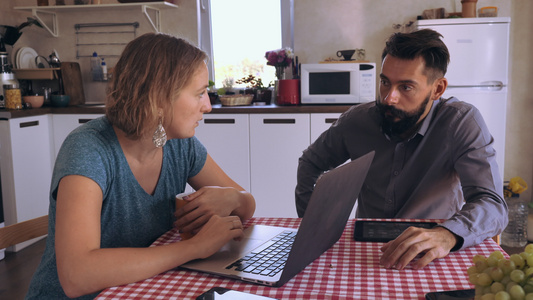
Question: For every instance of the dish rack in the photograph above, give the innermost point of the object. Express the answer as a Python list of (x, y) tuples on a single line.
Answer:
[(233, 100)]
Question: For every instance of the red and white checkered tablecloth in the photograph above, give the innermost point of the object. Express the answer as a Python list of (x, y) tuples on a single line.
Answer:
[(349, 270)]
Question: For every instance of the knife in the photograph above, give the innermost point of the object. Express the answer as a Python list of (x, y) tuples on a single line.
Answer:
[(296, 68)]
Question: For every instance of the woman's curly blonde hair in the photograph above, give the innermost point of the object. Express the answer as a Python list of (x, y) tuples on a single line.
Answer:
[(150, 74)]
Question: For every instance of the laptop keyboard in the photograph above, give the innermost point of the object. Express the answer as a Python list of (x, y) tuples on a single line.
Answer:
[(269, 261)]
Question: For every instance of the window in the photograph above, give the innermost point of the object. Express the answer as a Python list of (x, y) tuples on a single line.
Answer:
[(237, 33)]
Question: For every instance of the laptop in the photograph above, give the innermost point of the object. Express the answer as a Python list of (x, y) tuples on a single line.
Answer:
[(324, 221)]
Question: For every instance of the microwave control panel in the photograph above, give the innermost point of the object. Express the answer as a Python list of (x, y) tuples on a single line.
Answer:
[(367, 90)]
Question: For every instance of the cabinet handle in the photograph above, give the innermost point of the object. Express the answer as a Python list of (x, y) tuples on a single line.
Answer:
[(279, 121), (83, 121), (330, 120), (29, 124), (219, 121)]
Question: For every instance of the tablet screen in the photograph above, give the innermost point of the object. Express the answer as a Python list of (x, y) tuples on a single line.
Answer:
[(452, 295), (384, 231)]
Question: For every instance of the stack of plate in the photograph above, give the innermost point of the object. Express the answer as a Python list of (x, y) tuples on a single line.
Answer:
[(25, 58)]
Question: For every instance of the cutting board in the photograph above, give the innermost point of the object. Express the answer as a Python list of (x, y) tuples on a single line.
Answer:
[(72, 82)]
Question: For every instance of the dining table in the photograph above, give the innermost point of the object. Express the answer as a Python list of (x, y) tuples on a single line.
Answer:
[(348, 270)]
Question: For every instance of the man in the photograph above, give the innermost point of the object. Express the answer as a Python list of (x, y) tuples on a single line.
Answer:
[(434, 157)]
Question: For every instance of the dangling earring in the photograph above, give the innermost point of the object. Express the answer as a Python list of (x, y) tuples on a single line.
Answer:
[(160, 136)]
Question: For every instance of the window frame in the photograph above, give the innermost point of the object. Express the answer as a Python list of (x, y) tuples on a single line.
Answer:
[(205, 38)]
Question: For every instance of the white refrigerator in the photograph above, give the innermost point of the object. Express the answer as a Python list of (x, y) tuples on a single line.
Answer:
[(478, 69)]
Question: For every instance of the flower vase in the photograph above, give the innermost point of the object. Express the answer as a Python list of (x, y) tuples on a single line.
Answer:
[(280, 72)]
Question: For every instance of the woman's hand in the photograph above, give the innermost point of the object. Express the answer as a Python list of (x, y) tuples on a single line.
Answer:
[(216, 233), (216, 194), (205, 203)]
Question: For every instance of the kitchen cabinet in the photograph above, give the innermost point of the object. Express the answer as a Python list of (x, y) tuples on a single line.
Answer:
[(276, 143), (26, 157), (261, 151), (320, 123), (258, 149), (227, 139), (62, 125)]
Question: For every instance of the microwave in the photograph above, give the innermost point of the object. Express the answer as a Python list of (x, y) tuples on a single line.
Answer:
[(338, 83)]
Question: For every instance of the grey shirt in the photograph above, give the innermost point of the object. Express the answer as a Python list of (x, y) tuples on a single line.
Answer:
[(447, 170)]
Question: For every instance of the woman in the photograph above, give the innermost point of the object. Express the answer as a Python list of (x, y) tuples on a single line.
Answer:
[(115, 179)]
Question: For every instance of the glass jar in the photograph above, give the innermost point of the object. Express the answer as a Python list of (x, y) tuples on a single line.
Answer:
[(13, 96), (515, 234)]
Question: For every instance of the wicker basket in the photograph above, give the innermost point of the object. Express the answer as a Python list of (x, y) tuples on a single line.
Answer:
[(233, 100)]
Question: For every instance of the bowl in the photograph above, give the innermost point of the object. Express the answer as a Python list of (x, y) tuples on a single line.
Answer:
[(35, 101), (60, 100)]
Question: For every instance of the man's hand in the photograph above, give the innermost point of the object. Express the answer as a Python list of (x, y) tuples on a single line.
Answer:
[(433, 243)]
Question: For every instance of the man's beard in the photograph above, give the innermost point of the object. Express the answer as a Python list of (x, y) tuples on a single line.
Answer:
[(407, 120)]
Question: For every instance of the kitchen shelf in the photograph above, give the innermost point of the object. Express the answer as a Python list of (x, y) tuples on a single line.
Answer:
[(34, 74), (145, 7)]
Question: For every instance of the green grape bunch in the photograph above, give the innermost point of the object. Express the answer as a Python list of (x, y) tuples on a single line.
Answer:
[(498, 278)]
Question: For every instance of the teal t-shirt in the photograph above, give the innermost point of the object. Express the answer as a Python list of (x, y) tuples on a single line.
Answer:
[(130, 216)]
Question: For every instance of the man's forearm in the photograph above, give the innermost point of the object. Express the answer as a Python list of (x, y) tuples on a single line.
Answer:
[(479, 219), (306, 176)]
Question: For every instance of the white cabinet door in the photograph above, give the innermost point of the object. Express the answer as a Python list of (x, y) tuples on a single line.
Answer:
[(227, 139), (26, 168), (320, 123), (64, 124), (276, 143)]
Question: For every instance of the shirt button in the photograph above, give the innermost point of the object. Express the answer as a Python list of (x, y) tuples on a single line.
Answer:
[(396, 173)]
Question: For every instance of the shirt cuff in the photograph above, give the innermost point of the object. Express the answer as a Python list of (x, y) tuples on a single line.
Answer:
[(460, 240)]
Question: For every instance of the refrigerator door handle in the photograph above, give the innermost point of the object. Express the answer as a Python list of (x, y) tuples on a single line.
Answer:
[(486, 85)]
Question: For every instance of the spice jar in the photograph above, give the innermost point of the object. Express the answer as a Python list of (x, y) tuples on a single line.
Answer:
[(13, 96)]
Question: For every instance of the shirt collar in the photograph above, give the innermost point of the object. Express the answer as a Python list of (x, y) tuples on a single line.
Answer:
[(427, 120), (425, 123)]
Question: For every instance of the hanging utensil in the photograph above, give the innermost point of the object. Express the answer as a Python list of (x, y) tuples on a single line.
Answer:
[(54, 60)]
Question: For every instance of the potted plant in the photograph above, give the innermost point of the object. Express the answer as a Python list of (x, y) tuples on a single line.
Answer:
[(227, 86), (255, 86), (213, 96)]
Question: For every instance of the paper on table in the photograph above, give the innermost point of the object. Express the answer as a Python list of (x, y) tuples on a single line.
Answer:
[(219, 293)]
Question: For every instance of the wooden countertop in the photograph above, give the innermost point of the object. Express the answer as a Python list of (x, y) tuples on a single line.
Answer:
[(217, 109)]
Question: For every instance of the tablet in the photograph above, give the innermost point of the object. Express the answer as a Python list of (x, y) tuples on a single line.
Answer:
[(452, 295), (384, 231)]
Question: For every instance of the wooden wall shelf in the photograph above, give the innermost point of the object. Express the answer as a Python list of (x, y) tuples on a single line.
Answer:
[(52, 10)]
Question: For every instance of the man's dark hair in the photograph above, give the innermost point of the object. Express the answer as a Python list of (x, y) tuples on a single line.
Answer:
[(425, 43)]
